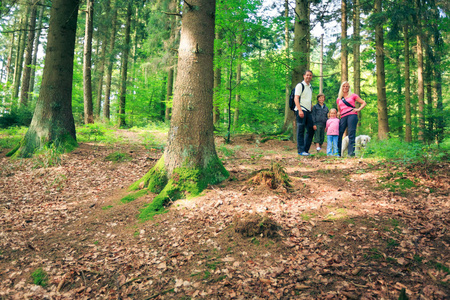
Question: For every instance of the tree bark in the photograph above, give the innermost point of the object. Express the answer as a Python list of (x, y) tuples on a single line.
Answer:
[(217, 81), (18, 66), (87, 64), (53, 121), (420, 83), (102, 60), (288, 115), (36, 47), (408, 124), (10, 55), (106, 104), (124, 68), (383, 125), (356, 54), (301, 51), (26, 74), (190, 160), (344, 50)]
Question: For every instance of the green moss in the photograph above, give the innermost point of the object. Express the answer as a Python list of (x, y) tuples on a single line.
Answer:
[(40, 277), (154, 180), (133, 196), (184, 182), (14, 150), (118, 157)]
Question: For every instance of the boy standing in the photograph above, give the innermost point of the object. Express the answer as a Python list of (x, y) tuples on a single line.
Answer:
[(319, 116)]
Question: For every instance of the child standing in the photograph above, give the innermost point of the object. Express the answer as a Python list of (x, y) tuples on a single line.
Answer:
[(319, 116), (332, 129)]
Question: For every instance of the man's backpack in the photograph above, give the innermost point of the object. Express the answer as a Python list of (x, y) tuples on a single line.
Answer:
[(292, 96)]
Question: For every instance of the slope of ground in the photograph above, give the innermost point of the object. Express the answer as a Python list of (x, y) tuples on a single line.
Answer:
[(344, 229)]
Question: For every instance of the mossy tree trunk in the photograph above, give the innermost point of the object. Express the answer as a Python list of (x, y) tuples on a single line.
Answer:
[(190, 161), (53, 119)]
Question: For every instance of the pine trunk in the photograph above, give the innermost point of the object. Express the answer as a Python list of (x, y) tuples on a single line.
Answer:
[(408, 128), (106, 104), (36, 47), (87, 64), (420, 83), (53, 120), (383, 125), (356, 54), (26, 74), (288, 115), (124, 68), (301, 51), (217, 82), (344, 51), (18, 66)]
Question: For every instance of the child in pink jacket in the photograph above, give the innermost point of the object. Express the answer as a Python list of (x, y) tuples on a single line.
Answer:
[(332, 130)]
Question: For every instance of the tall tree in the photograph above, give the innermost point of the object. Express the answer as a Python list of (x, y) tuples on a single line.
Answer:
[(383, 125), (217, 79), (124, 67), (301, 50), (36, 46), (104, 29), (344, 50), (18, 65), (110, 63), (87, 64), (26, 75), (190, 160), (356, 53), (289, 118), (420, 82), (408, 123), (53, 120)]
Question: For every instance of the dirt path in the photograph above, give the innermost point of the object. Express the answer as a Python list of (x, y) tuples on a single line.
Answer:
[(345, 229)]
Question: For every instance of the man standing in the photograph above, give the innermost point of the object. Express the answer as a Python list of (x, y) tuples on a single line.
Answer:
[(303, 107)]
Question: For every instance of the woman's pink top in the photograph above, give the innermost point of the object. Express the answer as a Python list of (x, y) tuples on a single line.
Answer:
[(332, 127), (347, 110)]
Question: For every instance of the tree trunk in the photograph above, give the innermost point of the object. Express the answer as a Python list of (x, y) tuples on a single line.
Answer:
[(408, 131), (18, 66), (10, 55), (124, 68), (102, 60), (356, 54), (26, 75), (301, 51), (53, 121), (106, 104), (238, 82), (288, 115), (344, 50), (383, 125), (420, 83), (168, 94), (190, 160), (87, 64), (217, 82), (36, 47), (438, 49)]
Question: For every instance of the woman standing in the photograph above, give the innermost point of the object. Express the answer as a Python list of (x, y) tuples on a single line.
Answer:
[(349, 116)]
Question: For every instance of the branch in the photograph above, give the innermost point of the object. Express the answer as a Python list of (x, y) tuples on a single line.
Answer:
[(173, 14), (191, 7)]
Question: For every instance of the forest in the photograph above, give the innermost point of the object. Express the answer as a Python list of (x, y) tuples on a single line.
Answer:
[(148, 150)]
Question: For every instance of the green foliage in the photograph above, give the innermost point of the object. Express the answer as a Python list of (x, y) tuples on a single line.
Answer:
[(397, 151), (40, 277), (98, 132), (11, 137), (118, 157), (15, 116)]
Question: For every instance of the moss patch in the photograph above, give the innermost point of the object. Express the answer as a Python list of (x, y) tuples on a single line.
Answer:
[(133, 196), (184, 182)]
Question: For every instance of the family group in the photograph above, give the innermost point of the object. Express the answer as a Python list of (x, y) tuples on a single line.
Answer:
[(318, 119)]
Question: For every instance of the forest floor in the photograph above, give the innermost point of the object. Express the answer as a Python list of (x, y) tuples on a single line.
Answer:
[(347, 228)]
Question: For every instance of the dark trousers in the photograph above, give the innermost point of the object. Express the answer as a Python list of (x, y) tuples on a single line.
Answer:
[(305, 123), (350, 121)]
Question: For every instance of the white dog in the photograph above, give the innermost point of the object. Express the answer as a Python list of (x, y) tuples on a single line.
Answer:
[(361, 141)]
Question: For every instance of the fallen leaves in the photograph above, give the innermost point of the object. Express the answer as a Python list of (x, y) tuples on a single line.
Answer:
[(377, 243)]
